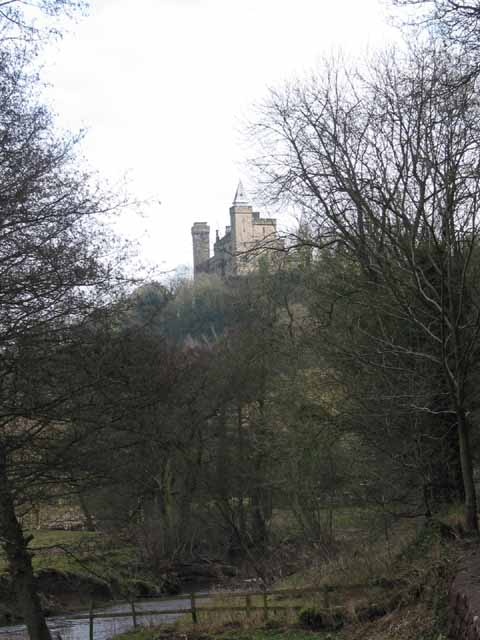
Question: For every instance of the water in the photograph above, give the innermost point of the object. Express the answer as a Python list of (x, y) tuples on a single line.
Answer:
[(70, 629)]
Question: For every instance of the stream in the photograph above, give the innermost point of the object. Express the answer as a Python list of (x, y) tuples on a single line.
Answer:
[(70, 629)]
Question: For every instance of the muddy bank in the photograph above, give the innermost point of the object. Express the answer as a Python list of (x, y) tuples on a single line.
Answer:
[(59, 591)]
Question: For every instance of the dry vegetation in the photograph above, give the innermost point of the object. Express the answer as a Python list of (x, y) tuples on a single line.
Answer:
[(402, 597)]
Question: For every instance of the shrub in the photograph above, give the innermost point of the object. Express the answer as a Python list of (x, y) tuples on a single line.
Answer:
[(311, 618)]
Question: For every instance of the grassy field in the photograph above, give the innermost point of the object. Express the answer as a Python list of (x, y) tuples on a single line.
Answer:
[(80, 552)]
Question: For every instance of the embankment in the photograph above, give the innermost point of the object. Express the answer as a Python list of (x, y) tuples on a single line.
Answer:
[(464, 600)]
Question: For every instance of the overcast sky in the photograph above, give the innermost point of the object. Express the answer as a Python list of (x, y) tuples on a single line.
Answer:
[(163, 87)]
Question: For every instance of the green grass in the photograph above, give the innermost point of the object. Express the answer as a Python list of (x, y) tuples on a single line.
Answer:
[(80, 552)]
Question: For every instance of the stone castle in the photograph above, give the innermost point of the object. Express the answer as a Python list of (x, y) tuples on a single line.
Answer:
[(246, 239)]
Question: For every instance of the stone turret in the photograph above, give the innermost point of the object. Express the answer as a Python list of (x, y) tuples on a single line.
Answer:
[(201, 246)]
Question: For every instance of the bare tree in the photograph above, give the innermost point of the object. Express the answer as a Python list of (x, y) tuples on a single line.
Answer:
[(456, 22), (386, 163), (33, 21), (56, 267)]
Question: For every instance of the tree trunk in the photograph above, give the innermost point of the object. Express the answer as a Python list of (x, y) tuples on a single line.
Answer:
[(242, 467), (259, 525), (471, 521), (20, 562), (454, 465), (443, 454)]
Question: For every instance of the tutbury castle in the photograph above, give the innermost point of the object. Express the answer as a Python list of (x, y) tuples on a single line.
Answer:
[(246, 239)]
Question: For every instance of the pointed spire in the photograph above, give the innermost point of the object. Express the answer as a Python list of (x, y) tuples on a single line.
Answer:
[(240, 197)]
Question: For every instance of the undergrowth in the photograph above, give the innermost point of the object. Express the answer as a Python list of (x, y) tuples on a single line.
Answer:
[(405, 595)]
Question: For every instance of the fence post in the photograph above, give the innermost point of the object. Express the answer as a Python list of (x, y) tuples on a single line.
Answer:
[(248, 604), (134, 614), (193, 608), (265, 606), (90, 621), (326, 596)]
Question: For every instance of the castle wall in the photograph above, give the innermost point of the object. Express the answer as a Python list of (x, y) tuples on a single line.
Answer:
[(263, 229)]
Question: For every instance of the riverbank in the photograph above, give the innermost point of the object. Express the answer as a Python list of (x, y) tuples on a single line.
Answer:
[(412, 562), (59, 592), (409, 601), (75, 568), (108, 620)]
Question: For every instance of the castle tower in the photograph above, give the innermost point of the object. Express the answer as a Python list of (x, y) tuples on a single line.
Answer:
[(201, 245), (241, 222)]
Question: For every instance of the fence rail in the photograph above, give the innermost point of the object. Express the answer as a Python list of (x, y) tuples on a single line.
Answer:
[(194, 609)]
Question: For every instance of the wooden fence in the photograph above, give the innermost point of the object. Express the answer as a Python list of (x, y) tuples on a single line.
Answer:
[(266, 606)]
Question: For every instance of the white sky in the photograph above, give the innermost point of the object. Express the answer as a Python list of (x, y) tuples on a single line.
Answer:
[(163, 87)]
